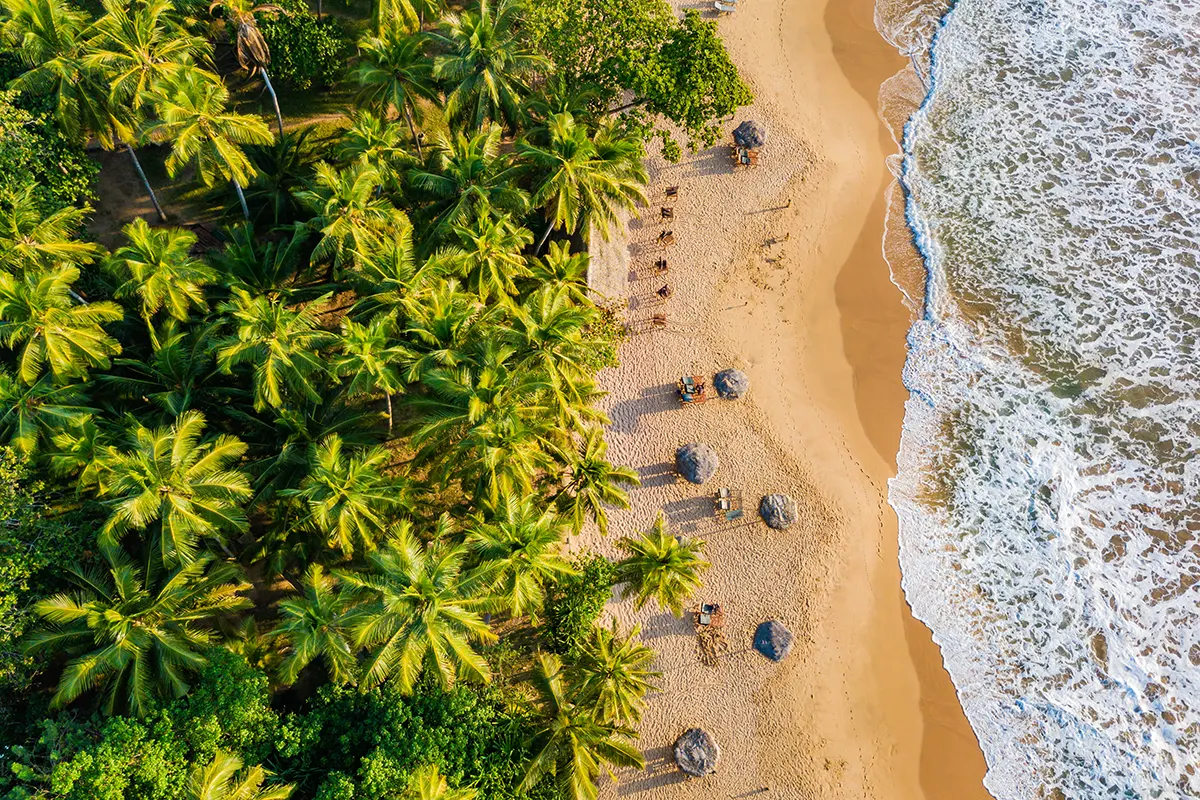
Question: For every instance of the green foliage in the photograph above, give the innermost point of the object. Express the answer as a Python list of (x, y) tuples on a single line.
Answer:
[(34, 152), (305, 54), (31, 543), (576, 602)]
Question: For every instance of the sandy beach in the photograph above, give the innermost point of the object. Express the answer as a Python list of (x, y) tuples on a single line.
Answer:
[(778, 270)]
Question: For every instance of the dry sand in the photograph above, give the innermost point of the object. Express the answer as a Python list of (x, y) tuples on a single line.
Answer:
[(862, 708)]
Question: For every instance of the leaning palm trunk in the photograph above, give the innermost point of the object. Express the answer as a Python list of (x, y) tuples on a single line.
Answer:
[(412, 128), (545, 236), (274, 100), (137, 165), (237, 187)]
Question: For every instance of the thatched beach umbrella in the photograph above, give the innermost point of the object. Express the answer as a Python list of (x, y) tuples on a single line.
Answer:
[(731, 383), (697, 753), (773, 640), (779, 511), (696, 462), (750, 134)]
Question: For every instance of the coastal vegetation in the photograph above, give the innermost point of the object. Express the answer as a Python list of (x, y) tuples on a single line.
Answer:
[(286, 473)]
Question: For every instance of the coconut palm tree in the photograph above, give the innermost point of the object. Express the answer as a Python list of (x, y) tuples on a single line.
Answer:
[(370, 359), (173, 477), (50, 36), (428, 784), (418, 613), (31, 239), (661, 566), (177, 377), (349, 214), (134, 634), (281, 169), (572, 745), (492, 246), (258, 267), (579, 184), (32, 413), (519, 546), (315, 625), (561, 267), (252, 51), (468, 175), (283, 344), (593, 483), (486, 64), (223, 779), (441, 323), (157, 267), (613, 674), (549, 331), (193, 113), (40, 316), (375, 142), (347, 497), (393, 72)]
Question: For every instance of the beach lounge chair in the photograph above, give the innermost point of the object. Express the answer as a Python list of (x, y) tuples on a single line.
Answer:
[(664, 292), (724, 7), (660, 267), (672, 191), (658, 320), (692, 389), (666, 238), (667, 212), (727, 503)]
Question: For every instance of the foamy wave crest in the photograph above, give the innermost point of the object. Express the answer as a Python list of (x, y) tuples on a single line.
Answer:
[(1049, 491)]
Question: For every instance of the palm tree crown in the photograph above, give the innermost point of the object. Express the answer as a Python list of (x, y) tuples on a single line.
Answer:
[(662, 567), (315, 625), (223, 779), (613, 674), (157, 267)]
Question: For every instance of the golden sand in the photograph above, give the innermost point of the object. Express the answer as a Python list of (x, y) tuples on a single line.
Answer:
[(778, 270)]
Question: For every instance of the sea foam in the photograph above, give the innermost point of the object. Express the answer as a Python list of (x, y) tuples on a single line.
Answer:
[(1049, 491)]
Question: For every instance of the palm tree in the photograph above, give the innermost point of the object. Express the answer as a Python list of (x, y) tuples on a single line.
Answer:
[(519, 547), (38, 314), (158, 268), (486, 64), (428, 784), (315, 624), (371, 359), (172, 477), (177, 377), (661, 566), (280, 170), (223, 779), (50, 37), (613, 674), (283, 344), (468, 176), (31, 239), (593, 483), (393, 71), (549, 330), (419, 613), (572, 744), (375, 142), (259, 267), (493, 255), (134, 49), (135, 634), (581, 184), (31, 414), (252, 51), (442, 321), (193, 113), (349, 214), (561, 267), (348, 497)]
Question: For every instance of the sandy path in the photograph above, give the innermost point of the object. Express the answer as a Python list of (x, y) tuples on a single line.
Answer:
[(862, 708)]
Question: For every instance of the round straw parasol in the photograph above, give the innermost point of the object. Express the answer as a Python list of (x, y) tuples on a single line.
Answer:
[(731, 383), (779, 511), (697, 753), (750, 134), (773, 640), (696, 462)]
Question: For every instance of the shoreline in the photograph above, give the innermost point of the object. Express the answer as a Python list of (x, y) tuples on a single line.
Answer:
[(863, 706)]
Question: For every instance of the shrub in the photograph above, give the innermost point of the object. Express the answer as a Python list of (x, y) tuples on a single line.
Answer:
[(575, 603), (305, 53), (33, 151)]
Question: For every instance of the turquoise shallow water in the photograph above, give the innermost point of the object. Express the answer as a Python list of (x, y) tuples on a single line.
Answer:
[(1049, 486)]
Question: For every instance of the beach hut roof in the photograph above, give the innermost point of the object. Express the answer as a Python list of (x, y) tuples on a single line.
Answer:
[(779, 511), (773, 640), (731, 383), (696, 462), (697, 753), (750, 134)]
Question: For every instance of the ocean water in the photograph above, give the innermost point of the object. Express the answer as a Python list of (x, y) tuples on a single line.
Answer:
[(1049, 482)]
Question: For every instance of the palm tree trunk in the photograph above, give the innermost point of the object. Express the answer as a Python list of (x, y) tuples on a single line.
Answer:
[(137, 165), (274, 100), (545, 236), (241, 199), (389, 407), (318, 10), (412, 128)]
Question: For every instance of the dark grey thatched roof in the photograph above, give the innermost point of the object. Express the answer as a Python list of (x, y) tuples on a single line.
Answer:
[(696, 753), (750, 134), (773, 640), (731, 383), (696, 462), (779, 511)]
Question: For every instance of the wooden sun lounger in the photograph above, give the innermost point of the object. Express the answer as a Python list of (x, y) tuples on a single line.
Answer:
[(672, 191), (724, 8), (666, 238)]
